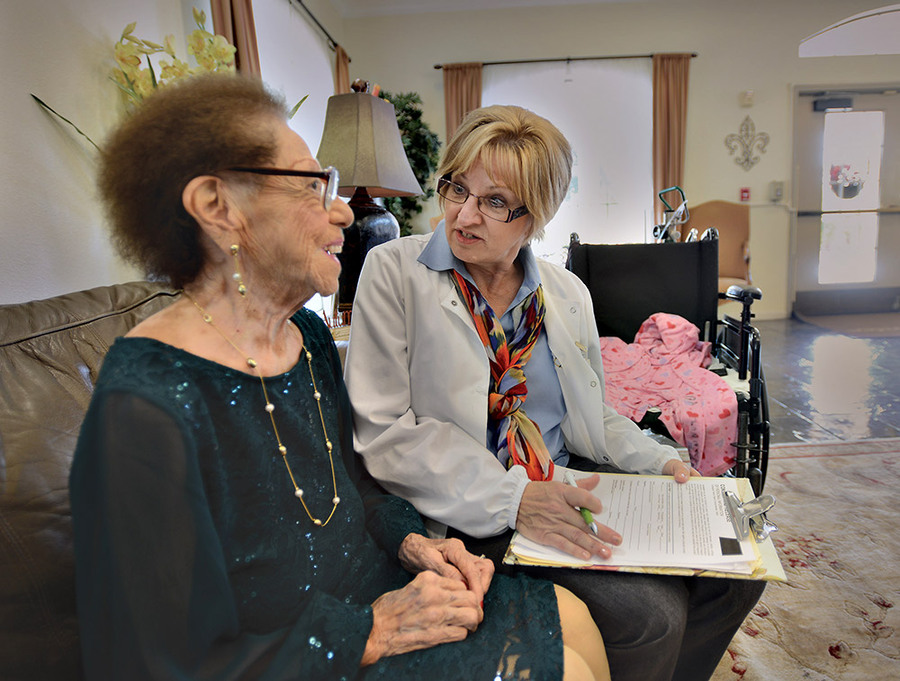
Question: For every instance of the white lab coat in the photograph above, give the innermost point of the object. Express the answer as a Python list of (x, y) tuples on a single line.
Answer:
[(418, 377)]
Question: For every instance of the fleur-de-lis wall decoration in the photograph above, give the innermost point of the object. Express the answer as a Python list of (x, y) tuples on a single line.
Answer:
[(745, 142)]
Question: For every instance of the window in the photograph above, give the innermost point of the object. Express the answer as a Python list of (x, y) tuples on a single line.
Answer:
[(851, 193), (604, 108)]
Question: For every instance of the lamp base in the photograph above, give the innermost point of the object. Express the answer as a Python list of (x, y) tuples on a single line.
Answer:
[(372, 225)]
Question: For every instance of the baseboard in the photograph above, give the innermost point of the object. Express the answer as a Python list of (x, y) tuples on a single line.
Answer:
[(848, 301)]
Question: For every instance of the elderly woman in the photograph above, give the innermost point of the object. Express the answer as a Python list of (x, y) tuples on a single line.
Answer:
[(223, 527), (474, 368)]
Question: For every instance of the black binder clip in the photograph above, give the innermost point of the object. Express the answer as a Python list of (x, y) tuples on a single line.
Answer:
[(751, 515)]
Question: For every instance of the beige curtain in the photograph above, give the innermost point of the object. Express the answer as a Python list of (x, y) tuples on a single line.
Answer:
[(234, 20), (670, 89), (462, 92), (341, 71)]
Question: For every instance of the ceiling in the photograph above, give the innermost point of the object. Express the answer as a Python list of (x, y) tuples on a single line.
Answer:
[(874, 32), (369, 8)]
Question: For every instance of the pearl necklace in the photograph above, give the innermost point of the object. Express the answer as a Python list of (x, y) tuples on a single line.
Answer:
[(270, 409)]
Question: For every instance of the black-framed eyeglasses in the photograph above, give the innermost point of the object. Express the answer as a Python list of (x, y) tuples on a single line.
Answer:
[(328, 190), (493, 207)]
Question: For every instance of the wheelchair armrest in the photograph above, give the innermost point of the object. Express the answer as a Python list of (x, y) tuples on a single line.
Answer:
[(743, 294)]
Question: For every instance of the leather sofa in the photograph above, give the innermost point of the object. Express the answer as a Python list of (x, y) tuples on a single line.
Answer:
[(50, 353)]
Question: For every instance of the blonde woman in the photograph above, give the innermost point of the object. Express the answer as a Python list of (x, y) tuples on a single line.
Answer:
[(474, 368)]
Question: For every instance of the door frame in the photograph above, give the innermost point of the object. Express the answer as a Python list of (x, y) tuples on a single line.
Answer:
[(883, 294)]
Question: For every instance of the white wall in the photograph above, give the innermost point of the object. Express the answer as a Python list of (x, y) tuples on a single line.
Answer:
[(54, 238), (741, 46), (295, 60)]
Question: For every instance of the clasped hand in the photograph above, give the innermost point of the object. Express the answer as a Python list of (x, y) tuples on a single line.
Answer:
[(442, 603)]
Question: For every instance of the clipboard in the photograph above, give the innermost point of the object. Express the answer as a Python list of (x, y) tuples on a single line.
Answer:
[(749, 514)]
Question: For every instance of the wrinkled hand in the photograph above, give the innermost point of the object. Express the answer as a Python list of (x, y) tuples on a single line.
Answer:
[(428, 611), (547, 514), (448, 558), (680, 470)]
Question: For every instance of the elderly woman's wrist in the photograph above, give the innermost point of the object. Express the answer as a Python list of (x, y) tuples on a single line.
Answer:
[(409, 548)]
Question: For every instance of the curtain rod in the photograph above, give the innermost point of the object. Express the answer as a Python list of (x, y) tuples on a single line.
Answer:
[(332, 43), (566, 59)]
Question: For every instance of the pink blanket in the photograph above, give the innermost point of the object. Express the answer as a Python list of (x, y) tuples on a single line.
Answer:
[(665, 368)]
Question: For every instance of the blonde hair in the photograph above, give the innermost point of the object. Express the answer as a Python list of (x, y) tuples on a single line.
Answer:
[(516, 146)]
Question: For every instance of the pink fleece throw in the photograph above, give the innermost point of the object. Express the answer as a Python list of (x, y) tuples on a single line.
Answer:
[(665, 367)]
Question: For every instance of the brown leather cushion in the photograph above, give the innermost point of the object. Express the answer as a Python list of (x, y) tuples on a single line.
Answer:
[(50, 353)]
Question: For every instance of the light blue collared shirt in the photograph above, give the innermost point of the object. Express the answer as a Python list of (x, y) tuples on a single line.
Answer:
[(544, 403)]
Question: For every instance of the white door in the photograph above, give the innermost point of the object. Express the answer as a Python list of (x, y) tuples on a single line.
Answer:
[(847, 193)]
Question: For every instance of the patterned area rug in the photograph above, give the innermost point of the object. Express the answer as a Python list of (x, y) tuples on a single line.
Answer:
[(838, 539)]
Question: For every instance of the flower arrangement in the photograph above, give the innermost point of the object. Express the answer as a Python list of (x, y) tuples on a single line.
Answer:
[(212, 53), (845, 182)]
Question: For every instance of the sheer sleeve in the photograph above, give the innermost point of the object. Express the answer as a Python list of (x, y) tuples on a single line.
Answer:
[(153, 589)]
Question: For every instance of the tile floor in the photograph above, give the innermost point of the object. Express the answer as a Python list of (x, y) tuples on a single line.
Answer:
[(827, 386)]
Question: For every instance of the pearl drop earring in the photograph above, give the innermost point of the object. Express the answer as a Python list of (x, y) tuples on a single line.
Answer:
[(237, 273)]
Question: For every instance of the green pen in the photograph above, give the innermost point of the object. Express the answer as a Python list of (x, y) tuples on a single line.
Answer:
[(585, 513)]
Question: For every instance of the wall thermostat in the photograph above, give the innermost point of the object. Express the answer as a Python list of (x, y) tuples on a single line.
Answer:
[(776, 191)]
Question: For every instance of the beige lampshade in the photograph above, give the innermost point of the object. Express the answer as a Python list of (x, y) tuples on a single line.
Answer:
[(362, 140)]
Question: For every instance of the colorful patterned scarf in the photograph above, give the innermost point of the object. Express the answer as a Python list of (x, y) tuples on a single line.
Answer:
[(515, 437)]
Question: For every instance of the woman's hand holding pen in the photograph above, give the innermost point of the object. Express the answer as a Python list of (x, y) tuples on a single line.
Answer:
[(548, 513)]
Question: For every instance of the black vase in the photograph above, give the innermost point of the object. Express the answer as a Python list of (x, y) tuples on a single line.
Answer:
[(372, 225)]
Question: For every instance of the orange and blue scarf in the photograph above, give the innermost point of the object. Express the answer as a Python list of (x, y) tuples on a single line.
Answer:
[(513, 436)]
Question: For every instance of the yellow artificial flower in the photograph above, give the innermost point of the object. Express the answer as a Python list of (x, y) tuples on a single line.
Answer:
[(120, 78), (173, 70), (126, 55), (137, 79), (144, 85), (206, 62), (196, 42), (211, 52), (169, 48), (222, 51)]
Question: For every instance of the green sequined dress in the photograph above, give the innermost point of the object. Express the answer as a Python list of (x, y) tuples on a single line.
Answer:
[(194, 560)]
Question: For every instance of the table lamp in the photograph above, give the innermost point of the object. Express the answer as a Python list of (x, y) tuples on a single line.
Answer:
[(362, 140)]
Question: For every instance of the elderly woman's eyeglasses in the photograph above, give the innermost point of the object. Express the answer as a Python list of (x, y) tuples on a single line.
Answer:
[(494, 207), (328, 190)]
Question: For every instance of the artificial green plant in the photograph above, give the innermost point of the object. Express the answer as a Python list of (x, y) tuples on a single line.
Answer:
[(422, 148)]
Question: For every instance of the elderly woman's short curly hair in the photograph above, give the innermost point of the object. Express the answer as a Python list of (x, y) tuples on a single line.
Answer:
[(199, 126), (527, 152)]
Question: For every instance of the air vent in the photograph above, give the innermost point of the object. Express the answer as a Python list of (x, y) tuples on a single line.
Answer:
[(832, 103)]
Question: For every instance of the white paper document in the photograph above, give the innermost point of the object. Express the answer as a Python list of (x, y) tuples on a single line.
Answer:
[(663, 524)]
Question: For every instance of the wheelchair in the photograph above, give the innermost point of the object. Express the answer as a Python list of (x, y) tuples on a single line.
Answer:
[(630, 282)]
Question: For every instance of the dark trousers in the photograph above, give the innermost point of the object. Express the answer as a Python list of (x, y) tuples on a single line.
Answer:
[(655, 627)]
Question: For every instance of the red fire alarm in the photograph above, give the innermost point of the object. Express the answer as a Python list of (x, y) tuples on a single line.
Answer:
[(745, 193)]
